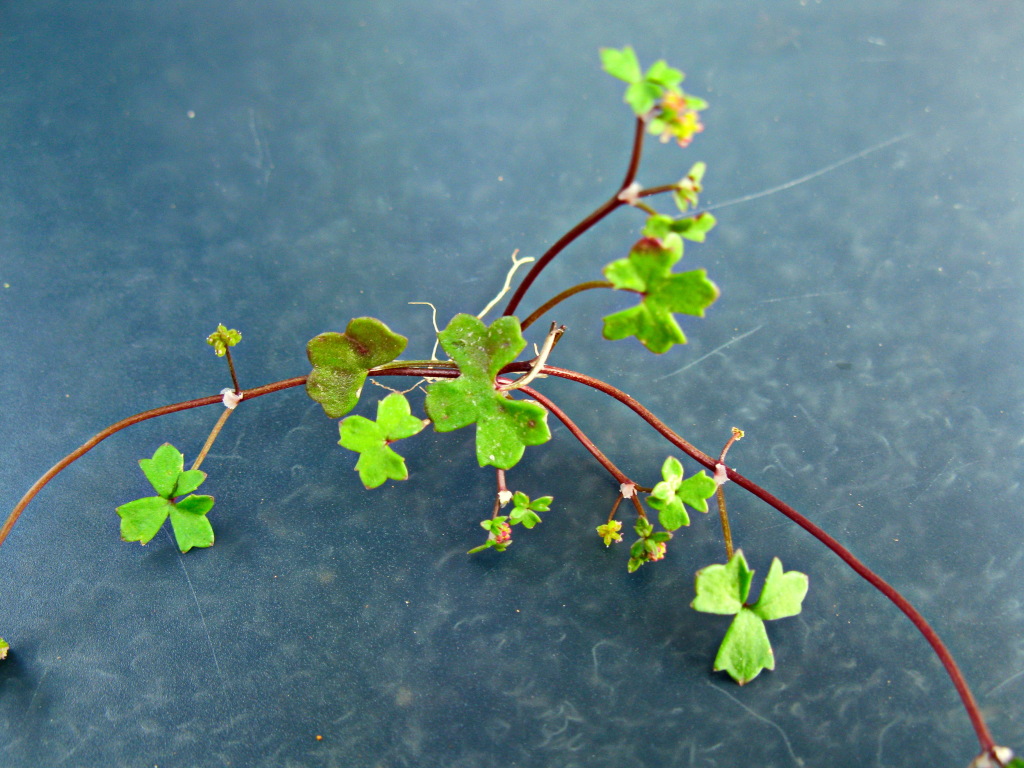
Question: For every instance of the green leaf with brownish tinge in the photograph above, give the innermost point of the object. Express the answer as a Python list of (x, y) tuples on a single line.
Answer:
[(342, 360)]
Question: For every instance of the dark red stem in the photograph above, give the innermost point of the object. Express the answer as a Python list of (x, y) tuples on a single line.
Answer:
[(579, 434), (606, 208), (945, 657)]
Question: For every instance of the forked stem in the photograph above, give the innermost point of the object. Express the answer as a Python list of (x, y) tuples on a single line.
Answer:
[(599, 213)]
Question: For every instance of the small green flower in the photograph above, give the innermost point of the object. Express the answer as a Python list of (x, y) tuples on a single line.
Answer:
[(223, 338), (610, 532)]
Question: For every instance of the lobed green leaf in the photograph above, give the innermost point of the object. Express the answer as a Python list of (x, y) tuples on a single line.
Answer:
[(341, 362), (163, 469), (745, 650), (648, 271), (504, 426), (782, 594), (191, 527), (622, 64), (722, 589), (378, 462)]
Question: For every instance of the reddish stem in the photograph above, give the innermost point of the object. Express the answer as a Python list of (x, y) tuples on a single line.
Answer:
[(940, 649), (607, 207), (579, 434)]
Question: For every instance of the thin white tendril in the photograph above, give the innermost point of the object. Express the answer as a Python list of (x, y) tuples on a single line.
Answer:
[(516, 264)]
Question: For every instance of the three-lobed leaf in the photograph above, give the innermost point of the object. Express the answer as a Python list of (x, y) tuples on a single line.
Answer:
[(673, 492), (724, 588), (504, 426), (378, 462), (142, 519), (524, 510), (648, 271), (341, 362)]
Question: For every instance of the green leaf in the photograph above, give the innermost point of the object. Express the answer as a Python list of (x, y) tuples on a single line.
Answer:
[(188, 519), (782, 594), (669, 496), (664, 75), (141, 519), (648, 271), (693, 228), (188, 481), (621, 64), (722, 589), (642, 97), (342, 360), (504, 427), (4, 648), (745, 650), (163, 469), (377, 461)]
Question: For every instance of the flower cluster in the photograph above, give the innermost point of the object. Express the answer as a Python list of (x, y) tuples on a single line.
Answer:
[(610, 532), (675, 117)]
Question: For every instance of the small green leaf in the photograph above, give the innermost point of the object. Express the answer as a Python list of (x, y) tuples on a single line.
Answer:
[(141, 519), (648, 271), (341, 362), (191, 527), (188, 481), (377, 461), (673, 492), (782, 594), (642, 97), (163, 469), (504, 426), (395, 418), (621, 64), (745, 650), (722, 589), (664, 75), (4, 648)]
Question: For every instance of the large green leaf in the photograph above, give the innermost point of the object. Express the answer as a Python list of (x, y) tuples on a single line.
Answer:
[(648, 271), (723, 589), (342, 360), (504, 426), (377, 461)]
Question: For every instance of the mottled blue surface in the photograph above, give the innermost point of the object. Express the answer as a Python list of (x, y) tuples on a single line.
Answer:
[(168, 166)]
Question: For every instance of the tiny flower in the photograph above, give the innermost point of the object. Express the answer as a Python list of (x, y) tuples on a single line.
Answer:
[(503, 534), (658, 553), (610, 532), (677, 119)]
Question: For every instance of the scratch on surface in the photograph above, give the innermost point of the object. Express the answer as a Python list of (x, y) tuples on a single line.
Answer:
[(802, 296), (806, 177), (789, 747), (199, 609), (714, 351), (1006, 682)]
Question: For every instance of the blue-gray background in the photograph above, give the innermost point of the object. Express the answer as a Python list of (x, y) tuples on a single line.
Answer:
[(283, 167)]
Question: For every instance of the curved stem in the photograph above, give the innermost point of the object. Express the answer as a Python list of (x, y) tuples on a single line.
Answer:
[(98, 438), (607, 207), (940, 649), (579, 434), (554, 302)]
